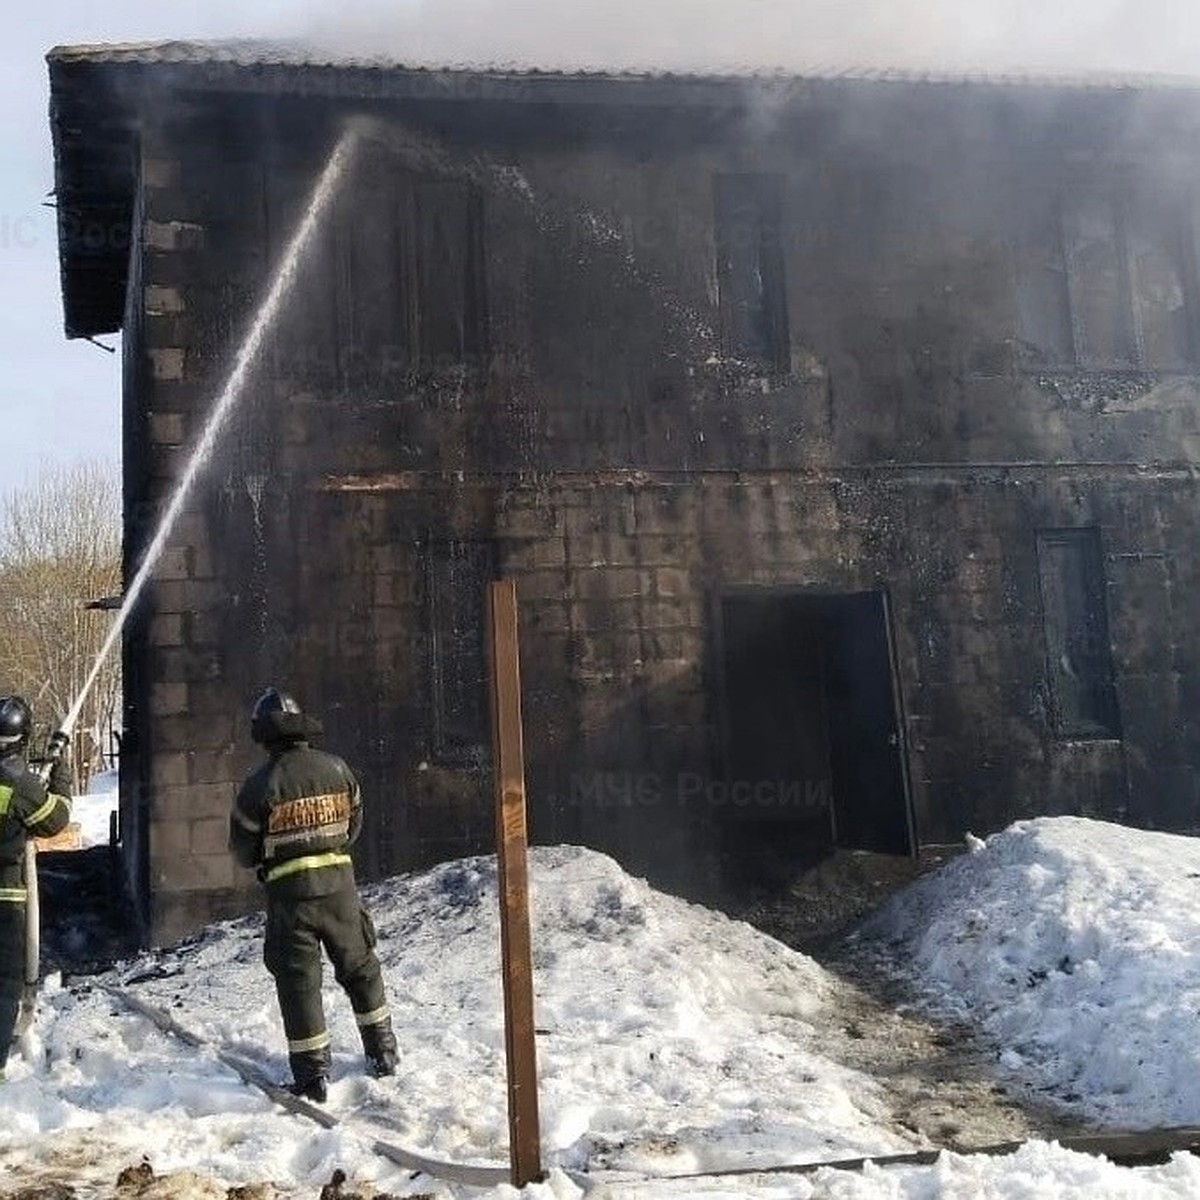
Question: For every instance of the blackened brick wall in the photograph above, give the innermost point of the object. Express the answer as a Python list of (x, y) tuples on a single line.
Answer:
[(624, 466)]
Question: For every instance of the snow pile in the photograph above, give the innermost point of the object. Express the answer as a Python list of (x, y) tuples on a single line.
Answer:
[(1075, 946), (659, 1022), (670, 1039)]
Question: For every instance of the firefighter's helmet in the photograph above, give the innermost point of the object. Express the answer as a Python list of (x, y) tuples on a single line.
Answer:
[(265, 720), (16, 724)]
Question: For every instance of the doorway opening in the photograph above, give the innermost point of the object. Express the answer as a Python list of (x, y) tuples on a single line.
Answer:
[(811, 733)]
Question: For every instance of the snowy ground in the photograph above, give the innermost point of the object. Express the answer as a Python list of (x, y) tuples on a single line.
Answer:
[(671, 1040)]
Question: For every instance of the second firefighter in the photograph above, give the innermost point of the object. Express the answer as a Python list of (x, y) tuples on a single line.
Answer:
[(294, 821)]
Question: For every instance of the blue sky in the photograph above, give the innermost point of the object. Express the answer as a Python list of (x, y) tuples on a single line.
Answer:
[(61, 400)]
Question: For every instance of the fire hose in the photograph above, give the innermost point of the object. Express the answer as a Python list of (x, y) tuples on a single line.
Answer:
[(59, 740)]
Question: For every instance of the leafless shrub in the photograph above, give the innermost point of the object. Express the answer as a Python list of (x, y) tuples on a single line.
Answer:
[(60, 548)]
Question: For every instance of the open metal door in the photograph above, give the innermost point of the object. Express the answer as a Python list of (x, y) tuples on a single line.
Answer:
[(813, 753), (871, 800)]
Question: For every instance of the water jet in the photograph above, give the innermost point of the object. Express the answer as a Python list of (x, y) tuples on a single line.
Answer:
[(231, 391)]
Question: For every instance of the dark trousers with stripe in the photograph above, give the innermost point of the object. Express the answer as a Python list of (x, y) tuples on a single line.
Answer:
[(12, 971), (297, 932)]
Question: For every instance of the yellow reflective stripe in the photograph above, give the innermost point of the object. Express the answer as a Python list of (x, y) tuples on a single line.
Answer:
[(308, 862), (317, 1042), (42, 813), (273, 841), (5, 797), (13, 895), (372, 1018)]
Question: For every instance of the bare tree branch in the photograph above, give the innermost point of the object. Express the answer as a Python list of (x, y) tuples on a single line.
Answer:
[(60, 548)]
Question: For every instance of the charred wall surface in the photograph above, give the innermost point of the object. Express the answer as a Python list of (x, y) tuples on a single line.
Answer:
[(877, 339)]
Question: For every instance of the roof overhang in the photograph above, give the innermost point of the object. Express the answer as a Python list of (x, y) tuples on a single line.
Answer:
[(99, 95)]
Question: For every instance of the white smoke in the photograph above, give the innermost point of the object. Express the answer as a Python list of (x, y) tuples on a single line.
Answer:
[(951, 36)]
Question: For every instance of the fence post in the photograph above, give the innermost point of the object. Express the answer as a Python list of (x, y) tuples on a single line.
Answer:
[(513, 868)]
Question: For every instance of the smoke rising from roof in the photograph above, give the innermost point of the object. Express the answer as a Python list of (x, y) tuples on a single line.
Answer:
[(997, 36)]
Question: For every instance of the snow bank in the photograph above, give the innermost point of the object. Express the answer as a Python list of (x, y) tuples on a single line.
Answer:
[(1075, 945)]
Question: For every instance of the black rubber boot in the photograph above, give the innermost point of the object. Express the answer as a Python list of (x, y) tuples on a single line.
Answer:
[(310, 1071), (379, 1045)]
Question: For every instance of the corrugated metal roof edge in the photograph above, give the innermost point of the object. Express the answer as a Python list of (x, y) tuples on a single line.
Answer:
[(255, 53)]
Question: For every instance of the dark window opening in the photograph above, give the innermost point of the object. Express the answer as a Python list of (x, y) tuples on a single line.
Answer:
[(396, 285), (1075, 622), (1108, 282), (1164, 287), (1043, 293), (445, 285), (1099, 282), (750, 276), (457, 574)]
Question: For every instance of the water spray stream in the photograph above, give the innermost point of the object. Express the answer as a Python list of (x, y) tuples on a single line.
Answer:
[(280, 285)]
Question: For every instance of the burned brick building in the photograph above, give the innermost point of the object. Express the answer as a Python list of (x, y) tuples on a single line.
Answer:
[(840, 433)]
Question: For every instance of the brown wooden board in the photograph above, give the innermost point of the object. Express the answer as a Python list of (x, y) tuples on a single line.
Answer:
[(69, 838), (513, 867)]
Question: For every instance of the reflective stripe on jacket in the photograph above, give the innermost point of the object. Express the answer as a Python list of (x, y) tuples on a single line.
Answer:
[(310, 862), (295, 819), (28, 808)]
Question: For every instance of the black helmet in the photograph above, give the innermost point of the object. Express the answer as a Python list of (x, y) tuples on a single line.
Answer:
[(275, 715), (16, 723)]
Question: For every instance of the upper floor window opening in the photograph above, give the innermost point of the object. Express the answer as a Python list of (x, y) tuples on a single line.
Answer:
[(1075, 627), (750, 269), (1108, 282)]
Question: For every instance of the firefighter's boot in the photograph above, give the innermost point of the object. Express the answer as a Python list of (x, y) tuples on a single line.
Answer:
[(379, 1045), (310, 1074)]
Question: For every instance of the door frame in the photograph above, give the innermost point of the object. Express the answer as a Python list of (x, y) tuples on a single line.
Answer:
[(901, 715), (720, 592)]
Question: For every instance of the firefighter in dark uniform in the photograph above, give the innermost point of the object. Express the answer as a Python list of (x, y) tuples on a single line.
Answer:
[(294, 820), (29, 807)]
